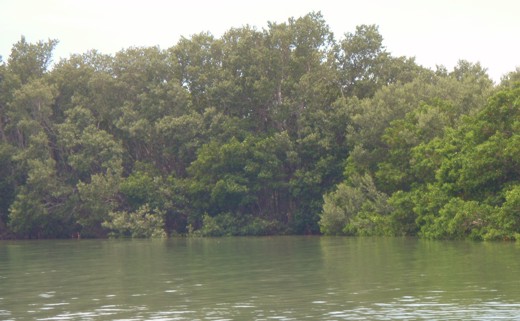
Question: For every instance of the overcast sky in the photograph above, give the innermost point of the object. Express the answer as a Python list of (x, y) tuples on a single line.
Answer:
[(435, 32)]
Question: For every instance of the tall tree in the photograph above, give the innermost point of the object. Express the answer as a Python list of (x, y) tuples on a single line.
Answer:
[(29, 61)]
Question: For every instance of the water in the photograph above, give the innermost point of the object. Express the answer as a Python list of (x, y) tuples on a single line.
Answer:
[(278, 278)]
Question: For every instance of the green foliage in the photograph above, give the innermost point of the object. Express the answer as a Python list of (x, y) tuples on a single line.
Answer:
[(140, 188), (508, 218), (339, 208), (403, 217), (472, 193), (356, 208), (7, 183), (42, 207), (280, 130), (142, 223), (459, 219), (96, 199), (422, 142), (227, 224), (366, 65), (30, 61)]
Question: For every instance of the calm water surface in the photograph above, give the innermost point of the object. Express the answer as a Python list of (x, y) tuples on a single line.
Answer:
[(279, 278)]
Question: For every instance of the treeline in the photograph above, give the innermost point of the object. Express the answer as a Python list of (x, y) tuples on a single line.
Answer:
[(273, 131)]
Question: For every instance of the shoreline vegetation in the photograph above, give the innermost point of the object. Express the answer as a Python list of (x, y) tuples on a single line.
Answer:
[(283, 130)]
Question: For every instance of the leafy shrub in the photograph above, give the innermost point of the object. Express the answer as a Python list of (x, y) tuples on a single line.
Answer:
[(143, 223)]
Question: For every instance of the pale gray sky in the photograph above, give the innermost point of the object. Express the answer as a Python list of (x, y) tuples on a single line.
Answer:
[(436, 32)]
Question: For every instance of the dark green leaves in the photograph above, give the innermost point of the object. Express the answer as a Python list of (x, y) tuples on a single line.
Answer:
[(280, 130)]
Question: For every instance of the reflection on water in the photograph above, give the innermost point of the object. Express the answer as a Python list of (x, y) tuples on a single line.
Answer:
[(280, 278)]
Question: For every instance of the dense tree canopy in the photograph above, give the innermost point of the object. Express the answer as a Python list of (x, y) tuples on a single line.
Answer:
[(281, 130)]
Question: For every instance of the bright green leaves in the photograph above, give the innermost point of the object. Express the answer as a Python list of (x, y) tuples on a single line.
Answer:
[(459, 219), (476, 172), (439, 153), (507, 220)]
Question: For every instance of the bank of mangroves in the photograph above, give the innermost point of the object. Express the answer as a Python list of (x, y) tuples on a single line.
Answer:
[(282, 130)]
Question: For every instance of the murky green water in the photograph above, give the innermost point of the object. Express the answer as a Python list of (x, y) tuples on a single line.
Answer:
[(279, 278)]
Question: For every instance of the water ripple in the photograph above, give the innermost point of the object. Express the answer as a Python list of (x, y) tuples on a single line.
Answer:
[(260, 279)]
